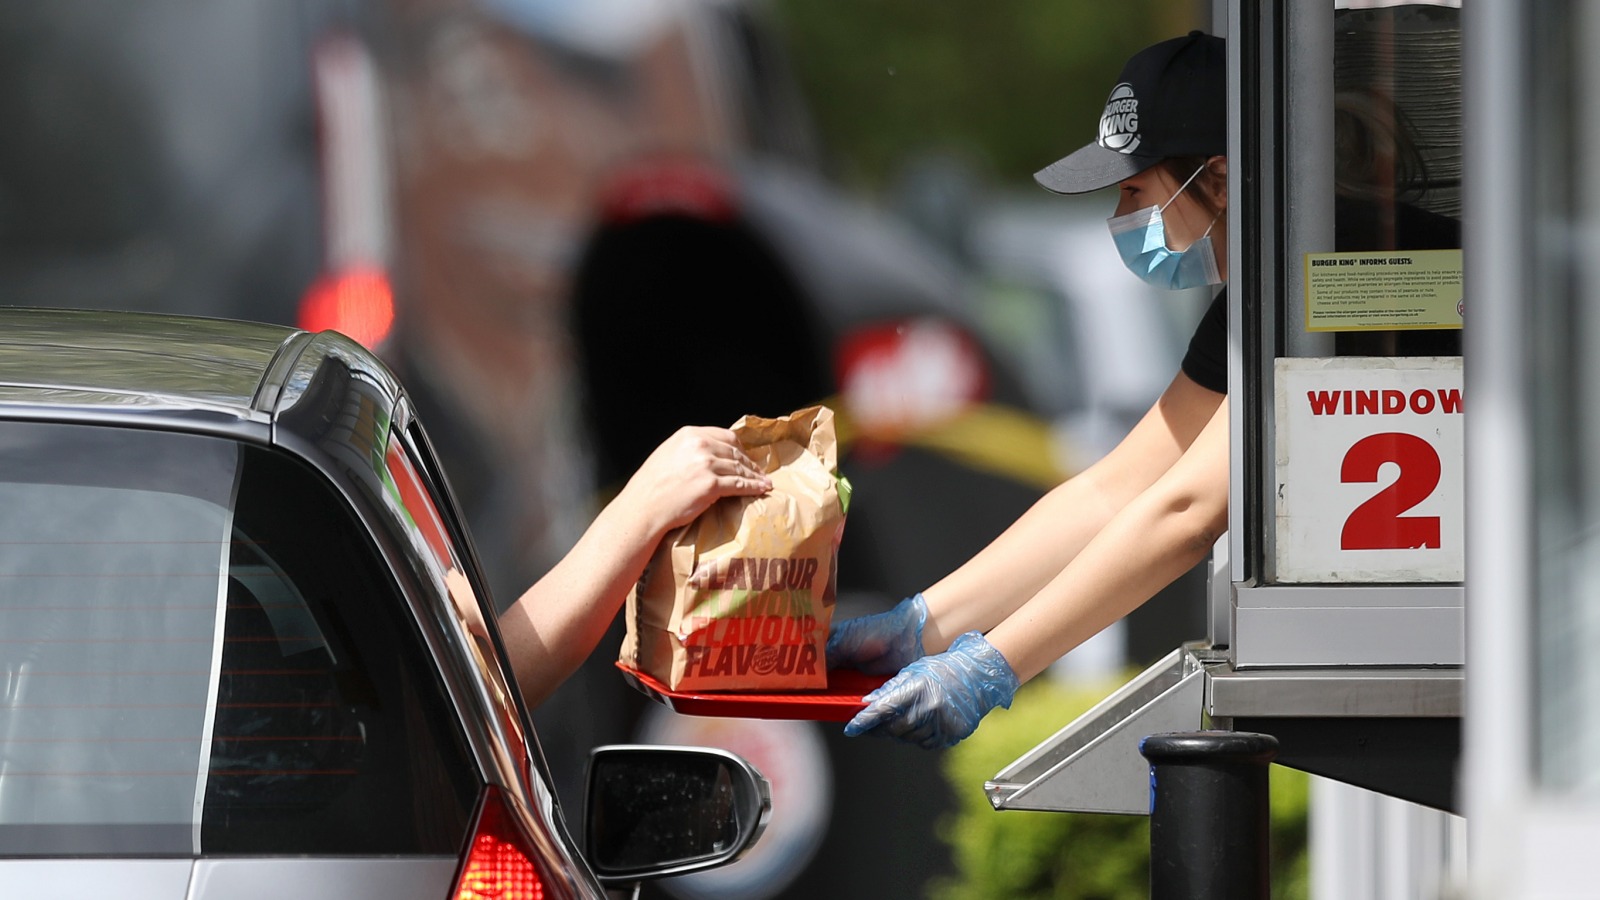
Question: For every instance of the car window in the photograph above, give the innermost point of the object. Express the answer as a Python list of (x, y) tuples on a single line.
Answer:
[(201, 653), (412, 480)]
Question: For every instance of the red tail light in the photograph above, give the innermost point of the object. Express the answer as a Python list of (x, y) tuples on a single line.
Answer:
[(357, 302), (497, 865)]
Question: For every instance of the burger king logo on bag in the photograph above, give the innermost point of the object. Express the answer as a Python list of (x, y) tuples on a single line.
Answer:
[(1119, 124)]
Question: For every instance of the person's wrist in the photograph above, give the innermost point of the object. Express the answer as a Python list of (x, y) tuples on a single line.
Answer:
[(995, 682), (918, 615), (631, 519)]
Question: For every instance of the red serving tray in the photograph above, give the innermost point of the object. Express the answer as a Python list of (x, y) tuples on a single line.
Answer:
[(838, 702)]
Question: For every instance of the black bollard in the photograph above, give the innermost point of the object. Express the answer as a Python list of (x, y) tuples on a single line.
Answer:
[(1208, 815)]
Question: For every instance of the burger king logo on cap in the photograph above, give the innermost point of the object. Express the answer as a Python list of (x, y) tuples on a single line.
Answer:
[(1119, 124)]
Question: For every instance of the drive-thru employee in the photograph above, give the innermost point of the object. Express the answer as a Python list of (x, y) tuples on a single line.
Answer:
[(1105, 541)]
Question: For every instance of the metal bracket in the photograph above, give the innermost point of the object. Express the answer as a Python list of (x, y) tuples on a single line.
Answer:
[(1101, 747)]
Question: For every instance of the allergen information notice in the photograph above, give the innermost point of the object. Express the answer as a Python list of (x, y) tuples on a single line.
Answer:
[(1384, 291)]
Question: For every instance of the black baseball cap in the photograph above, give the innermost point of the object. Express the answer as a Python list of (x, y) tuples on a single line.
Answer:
[(1170, 101)]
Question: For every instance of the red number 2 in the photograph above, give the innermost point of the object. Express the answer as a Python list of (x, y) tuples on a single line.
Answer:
[(1378, 524)]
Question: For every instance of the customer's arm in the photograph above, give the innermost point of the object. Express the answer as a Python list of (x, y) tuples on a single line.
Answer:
[(558, 621)]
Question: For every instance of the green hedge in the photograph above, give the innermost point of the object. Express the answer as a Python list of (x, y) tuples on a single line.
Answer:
[(1016, 855)]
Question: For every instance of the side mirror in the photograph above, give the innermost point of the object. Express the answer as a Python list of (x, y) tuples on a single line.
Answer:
[(651, 811)]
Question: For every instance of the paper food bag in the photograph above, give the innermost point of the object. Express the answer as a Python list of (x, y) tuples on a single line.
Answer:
[(741, 598)]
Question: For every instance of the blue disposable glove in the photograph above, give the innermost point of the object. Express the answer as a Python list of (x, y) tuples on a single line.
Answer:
[(882, 643), (938, 700)]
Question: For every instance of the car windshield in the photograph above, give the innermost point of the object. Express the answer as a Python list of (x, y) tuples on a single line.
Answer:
[(201, 654)]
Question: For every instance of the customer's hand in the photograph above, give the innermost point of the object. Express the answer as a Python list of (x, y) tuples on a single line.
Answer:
[(689, 471), (881, 643), (938, 700)]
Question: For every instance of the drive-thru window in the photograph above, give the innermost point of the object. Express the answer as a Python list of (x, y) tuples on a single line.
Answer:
[(1337, 607)]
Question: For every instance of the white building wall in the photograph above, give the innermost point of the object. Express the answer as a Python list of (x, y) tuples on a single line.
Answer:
[(1369, 846)]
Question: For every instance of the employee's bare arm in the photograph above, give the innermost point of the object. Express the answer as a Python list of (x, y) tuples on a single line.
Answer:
[(1162, 533), (1039, 545)]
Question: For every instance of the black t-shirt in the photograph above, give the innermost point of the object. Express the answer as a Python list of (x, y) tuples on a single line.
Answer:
[(1206, 362)]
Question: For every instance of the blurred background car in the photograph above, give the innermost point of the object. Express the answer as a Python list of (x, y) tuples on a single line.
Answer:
[(247, 642), (230, 160)]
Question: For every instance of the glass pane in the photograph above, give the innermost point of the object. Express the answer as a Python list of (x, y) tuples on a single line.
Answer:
[(1397, 147), (332, 734), (422, 510), (111, 575), (658, 812), (1562, 306), (201, 652)]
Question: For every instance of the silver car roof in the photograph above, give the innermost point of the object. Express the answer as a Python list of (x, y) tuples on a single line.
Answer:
[(118, 361)]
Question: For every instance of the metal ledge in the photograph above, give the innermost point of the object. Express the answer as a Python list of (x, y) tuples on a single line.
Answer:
[(1101, 747), (1350, 713), (1335, 692), (1328, 626)]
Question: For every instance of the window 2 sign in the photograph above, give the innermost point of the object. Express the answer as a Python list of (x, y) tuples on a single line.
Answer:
[(1369, 470)]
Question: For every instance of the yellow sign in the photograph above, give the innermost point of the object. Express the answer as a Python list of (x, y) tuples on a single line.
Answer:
[(1387, 291)]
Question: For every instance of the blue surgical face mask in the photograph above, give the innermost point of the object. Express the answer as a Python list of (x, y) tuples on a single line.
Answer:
[(1141, 238)]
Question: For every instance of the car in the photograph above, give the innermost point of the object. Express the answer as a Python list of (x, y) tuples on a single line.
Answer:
[(1097, 344), (247, 650)]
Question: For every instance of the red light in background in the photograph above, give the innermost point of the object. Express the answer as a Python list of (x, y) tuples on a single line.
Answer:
[(357, 302), (668, 187), (898, 377), (496, 867)]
